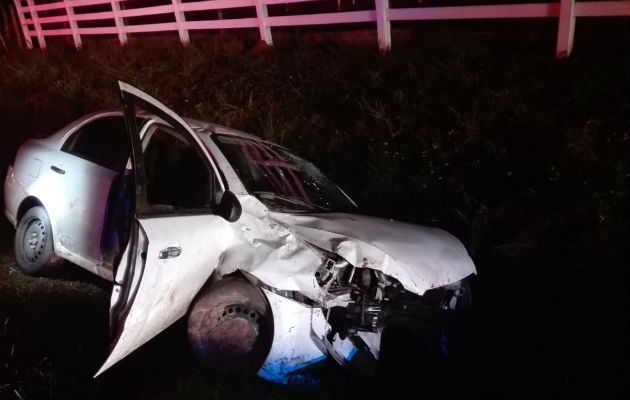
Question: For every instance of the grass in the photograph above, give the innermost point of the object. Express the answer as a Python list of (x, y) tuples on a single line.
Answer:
[(471, 127)]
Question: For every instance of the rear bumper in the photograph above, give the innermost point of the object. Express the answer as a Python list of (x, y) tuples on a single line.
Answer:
[(13, 191)]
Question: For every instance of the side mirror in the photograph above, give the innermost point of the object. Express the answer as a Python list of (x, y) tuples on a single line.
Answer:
[(229, 207)]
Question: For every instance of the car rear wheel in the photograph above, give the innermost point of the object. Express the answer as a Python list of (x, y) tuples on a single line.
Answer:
[(230, 326), (33, 243)]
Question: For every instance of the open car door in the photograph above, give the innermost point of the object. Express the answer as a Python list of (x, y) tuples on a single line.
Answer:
[(177, 236)]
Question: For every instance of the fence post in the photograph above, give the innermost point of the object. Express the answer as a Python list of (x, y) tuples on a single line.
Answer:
[(73, 25), (36, 24), (180, 19), (383, 26), (261, 14), (566, 27), (25, 31), (120, 22)]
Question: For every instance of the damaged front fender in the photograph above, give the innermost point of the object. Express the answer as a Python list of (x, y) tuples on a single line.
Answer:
[(274, 248), (420, 258)]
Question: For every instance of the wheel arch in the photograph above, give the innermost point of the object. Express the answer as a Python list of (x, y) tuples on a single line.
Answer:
[(235, 282), (34, 266), (26, 204), (33, 201), (240, 275)]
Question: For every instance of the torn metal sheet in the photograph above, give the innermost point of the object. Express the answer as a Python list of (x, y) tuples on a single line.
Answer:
[(292, 350), (272, 253), (420, 258)]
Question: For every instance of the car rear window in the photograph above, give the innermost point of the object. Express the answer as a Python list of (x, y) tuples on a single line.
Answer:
[(103, 141)]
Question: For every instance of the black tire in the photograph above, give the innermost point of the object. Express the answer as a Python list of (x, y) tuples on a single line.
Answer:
[(230, 326), (33, 248)]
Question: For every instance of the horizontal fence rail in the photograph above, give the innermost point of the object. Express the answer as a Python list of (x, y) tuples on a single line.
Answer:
[(42, 18)]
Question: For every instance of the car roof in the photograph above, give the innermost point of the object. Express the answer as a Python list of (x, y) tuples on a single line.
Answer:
[(198, 126), (217, 129)]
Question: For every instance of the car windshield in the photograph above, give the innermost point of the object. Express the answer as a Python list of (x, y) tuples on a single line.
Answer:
[(281, 180)]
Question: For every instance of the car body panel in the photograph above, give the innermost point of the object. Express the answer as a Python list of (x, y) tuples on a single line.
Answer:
[(420, 258), (165, 287), (79, 207), (282, 251), (290, 353), (14, 192), (166, 271), (273, 247), (74, 201), (272, 253)]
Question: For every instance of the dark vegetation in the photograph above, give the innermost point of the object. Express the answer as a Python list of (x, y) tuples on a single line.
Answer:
[(10, 34), (471, 127)]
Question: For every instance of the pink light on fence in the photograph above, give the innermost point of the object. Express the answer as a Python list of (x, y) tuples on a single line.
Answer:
[(382, 16)]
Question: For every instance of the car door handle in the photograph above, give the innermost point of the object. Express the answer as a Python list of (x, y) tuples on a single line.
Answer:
[(57, 170), (170, 252)]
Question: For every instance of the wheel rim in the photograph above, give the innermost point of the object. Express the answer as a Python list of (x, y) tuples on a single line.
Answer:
[(229, 339), (34, 240), (230, 327)]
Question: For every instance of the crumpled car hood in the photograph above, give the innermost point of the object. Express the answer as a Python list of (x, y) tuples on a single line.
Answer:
[(419, 257)]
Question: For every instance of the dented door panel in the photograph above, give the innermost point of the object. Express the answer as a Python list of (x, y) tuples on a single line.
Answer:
[(170, 254), (167, 286)]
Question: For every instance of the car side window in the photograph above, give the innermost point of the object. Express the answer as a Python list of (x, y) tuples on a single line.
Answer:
[(103, 141), (176, 174)]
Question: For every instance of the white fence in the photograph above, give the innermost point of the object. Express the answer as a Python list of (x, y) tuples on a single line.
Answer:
[(42, 18)]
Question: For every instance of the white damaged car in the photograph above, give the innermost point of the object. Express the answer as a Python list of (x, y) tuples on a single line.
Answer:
[(263, 255)]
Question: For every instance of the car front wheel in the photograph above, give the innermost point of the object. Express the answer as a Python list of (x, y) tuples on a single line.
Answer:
[(33, 242), (230, 326)]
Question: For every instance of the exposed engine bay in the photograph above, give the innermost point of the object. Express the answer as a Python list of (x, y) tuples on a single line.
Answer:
[(363, 299), (360, 303)]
